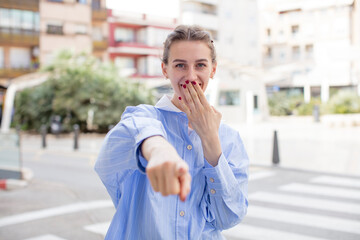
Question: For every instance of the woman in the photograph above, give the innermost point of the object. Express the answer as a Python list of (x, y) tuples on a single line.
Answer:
[(173, 170)]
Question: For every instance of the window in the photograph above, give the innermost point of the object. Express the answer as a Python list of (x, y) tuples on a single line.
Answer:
[(124, 35), (97, 34), (80, 29), (5, 18), (268, 52), (81, 1), (256, 104), (16, 18), (229, 98), (309, 49), (295, 30), (55, 28), (20, 57), (96, 4), (296, 52), (268, 32), (28, 20)]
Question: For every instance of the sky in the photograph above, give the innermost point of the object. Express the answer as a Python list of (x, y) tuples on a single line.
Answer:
[(164, 8)]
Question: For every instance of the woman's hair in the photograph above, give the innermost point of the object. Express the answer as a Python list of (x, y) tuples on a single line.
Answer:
[(188, 33)]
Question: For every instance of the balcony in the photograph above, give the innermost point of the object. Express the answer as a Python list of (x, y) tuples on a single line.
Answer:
[(99, 14), (15, 72), (30, 5), (16, 36), (100, 45), (134, 48)]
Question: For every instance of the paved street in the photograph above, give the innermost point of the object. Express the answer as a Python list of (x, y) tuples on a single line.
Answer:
[(66, 200)]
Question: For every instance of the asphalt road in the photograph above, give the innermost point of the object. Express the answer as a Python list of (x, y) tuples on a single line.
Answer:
[(65, 200)]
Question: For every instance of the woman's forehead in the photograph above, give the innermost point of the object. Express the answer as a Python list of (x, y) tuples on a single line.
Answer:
[(189, 49)]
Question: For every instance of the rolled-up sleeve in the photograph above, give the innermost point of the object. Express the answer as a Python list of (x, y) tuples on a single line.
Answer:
[(120, 153), (224, 203)]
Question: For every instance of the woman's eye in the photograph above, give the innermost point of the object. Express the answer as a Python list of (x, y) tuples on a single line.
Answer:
[(201, 65), (180, 65)]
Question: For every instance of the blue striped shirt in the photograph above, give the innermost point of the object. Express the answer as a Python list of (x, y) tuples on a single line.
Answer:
[(218, 197)]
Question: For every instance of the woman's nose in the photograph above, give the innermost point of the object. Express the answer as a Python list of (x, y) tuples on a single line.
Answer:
[(191, 74)]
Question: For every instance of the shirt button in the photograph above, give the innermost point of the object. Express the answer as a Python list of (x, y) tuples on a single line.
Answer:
[(182, 213), (189, 147), (211, 179), (212, 191)]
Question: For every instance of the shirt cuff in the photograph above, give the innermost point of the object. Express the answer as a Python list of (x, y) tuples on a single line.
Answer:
[(220, 179), (146, 133)]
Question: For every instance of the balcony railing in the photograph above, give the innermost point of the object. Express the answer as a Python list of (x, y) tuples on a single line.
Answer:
[(30, 5), (99, 14), (100, 45), (15, 72), (19, 36)]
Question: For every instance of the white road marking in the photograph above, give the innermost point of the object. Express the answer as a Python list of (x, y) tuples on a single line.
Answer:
[(260, 175), (305, 219), (46, 237), (100, 228), (339, 181), (308, 202), (321, 190), (242, 231), (50, 212)]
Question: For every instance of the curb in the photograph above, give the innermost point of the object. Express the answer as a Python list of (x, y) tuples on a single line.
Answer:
[(12, 184)]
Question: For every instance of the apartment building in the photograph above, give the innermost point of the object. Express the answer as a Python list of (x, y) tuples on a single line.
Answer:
[(309, 46), (237, 89), (136, 45), (19, 38)]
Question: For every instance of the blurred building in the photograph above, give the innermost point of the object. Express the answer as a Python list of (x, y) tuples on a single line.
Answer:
[(72, 24), (310, 47), (136, 46), (237, 89), (19, 41), (19, 38)]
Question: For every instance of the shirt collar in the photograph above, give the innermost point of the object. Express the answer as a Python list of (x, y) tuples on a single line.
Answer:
[(165, 104)]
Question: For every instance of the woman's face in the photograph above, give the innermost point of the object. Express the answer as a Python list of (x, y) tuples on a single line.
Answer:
[(188, 61)]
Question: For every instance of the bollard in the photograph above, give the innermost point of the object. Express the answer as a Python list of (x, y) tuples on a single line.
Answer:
[(76, 136), (43, 135), (316, 113), (275, 157)]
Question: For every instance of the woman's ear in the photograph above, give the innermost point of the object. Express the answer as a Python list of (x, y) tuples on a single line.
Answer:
[(164, 69), (213, 70)]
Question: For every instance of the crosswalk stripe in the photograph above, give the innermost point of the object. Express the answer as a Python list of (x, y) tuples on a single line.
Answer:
[(321, 190), (51, 212), (260, 175), (339, 181), (308, 202), (242, 231), (305, 219), (100, 228), (46, 237)]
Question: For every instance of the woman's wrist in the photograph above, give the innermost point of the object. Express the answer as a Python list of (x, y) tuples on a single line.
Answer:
[(212, 149)]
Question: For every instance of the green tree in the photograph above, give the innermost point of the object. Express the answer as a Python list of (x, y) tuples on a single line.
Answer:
[(78, 85)]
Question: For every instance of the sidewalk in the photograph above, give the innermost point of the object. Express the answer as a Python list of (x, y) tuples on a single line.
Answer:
[(303, 144)]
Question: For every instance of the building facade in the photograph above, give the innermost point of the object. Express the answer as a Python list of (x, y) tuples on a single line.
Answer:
[(136, 45), (310, 46)]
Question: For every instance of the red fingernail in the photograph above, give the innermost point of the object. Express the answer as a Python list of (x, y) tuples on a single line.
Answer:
[(179, 98), (187, 81), (193, 82), (184, 86)]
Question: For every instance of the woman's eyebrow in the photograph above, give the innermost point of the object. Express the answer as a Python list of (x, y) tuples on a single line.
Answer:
[(178, 60), (202, 60)]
